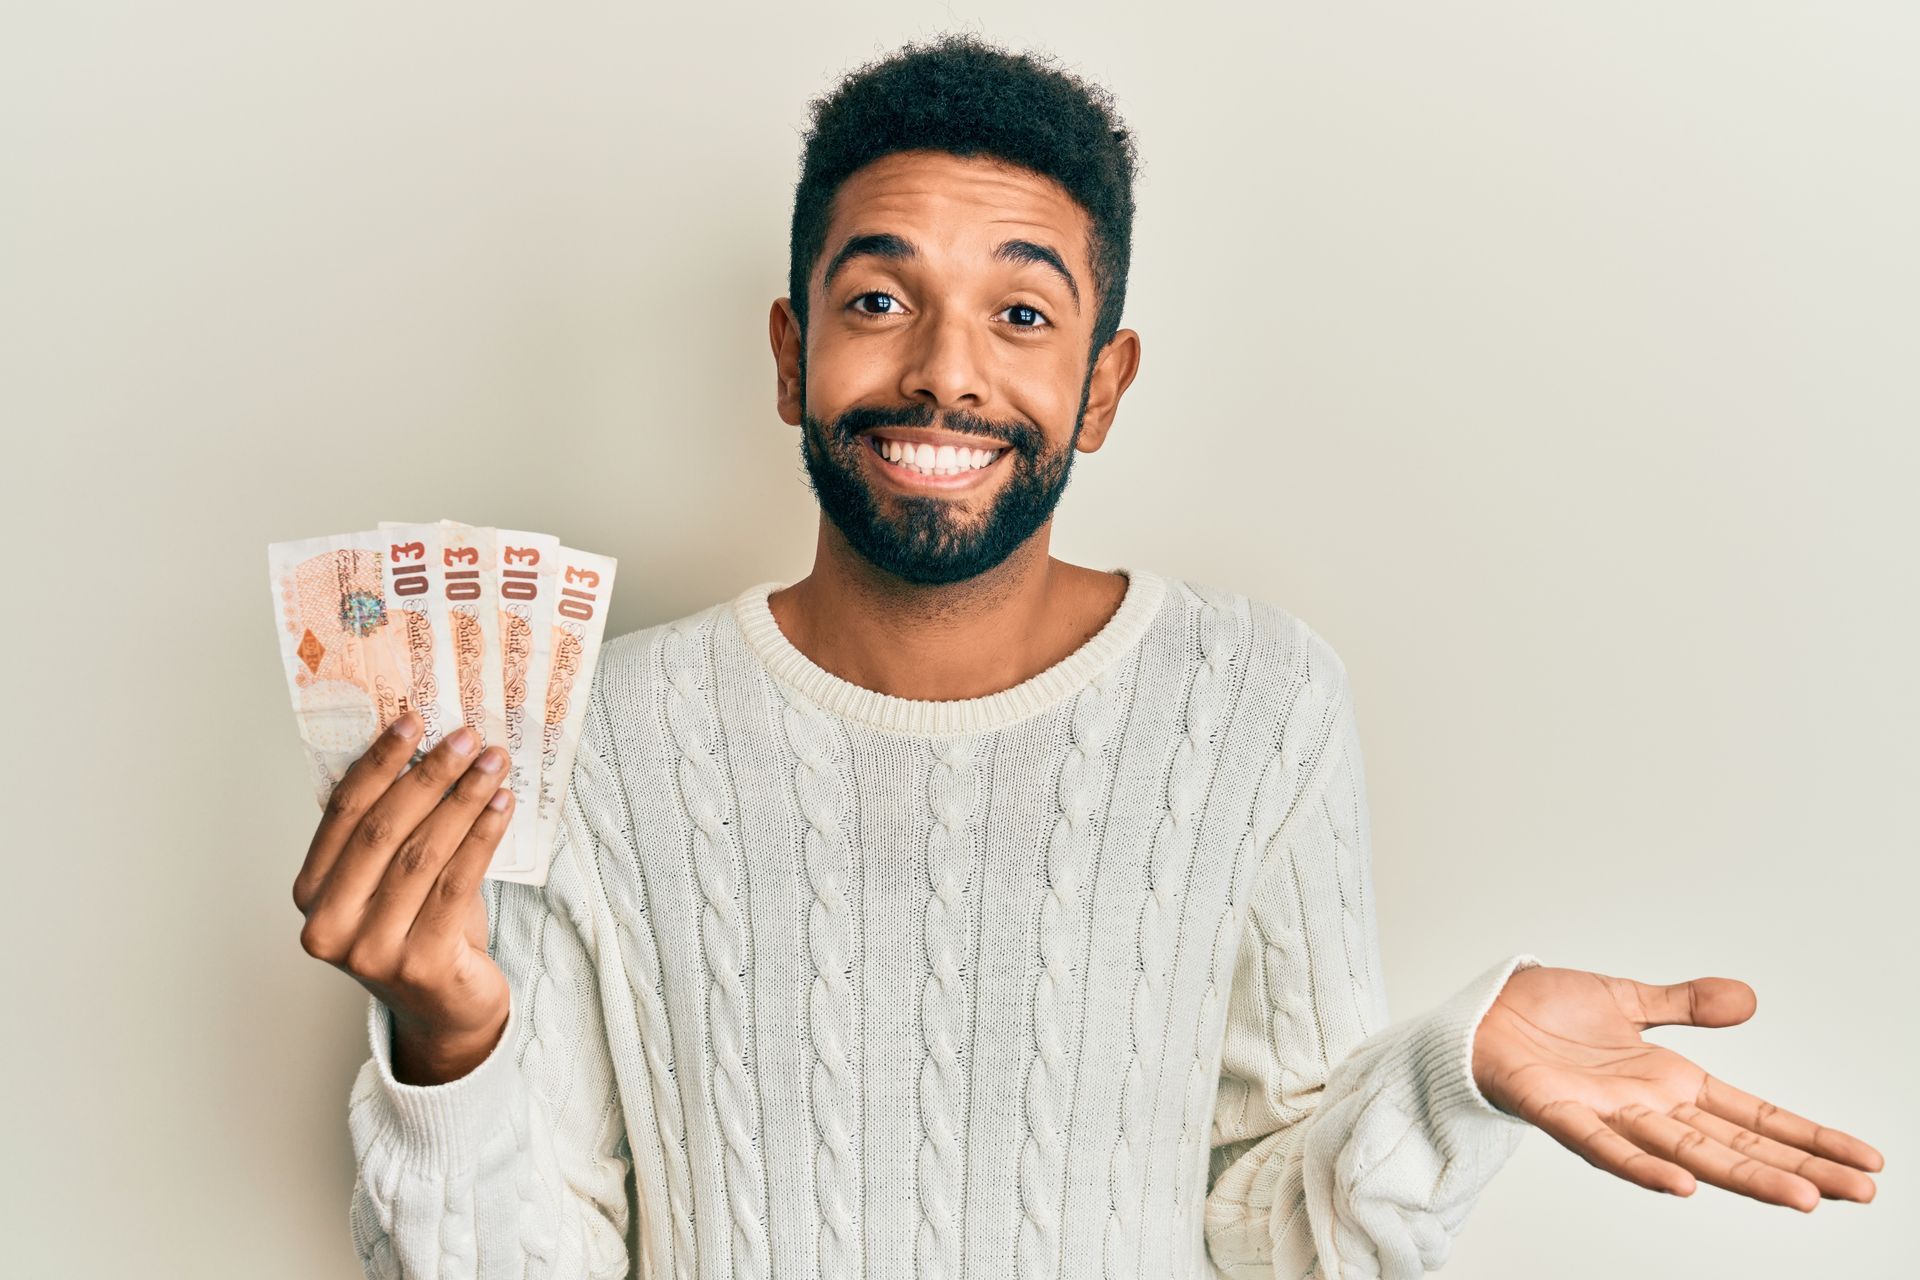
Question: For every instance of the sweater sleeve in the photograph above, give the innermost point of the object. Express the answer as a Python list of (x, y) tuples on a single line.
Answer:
[(519, 1167), (1342, 1147)]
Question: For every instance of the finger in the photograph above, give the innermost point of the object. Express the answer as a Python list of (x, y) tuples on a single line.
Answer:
[(1580, 1129), (1836, 1181), (363, 783), (1741, 1107), (445, 911), (1702, 1002), (417, 863), (1714, 1161), (391, 819)]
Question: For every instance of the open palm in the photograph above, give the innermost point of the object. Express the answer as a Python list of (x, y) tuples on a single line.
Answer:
[(1561, 1048)]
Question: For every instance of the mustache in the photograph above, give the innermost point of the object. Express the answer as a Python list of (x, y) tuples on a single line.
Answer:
[(1021, 436)]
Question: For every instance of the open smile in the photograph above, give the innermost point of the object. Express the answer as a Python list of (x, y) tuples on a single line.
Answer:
[(925, 466)]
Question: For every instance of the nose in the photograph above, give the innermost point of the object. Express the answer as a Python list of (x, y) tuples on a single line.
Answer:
[(944, 364)]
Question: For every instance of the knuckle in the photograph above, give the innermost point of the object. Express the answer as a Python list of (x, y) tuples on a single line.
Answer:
[(422, 775), (387, 751), (416, 970), (438, 770), (319, 942), (454, 885), (416, 854), (376, 830), (366, 959), (342, 803), (427, 784), (379, 752)]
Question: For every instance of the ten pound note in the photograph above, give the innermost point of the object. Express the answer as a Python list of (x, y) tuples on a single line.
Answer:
[(496, 629), (582, 584)]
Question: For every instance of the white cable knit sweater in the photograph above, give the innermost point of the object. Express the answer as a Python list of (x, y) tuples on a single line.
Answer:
[(1079, 980)]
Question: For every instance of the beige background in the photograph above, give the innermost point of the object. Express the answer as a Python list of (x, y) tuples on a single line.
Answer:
[(1556, 362)]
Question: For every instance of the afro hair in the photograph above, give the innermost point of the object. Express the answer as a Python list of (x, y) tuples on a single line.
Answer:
[(962, 95)]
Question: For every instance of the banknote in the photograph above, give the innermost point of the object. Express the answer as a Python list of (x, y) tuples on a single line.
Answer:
[(496, 629), (473, 605), (584, 581), (355, 659), (415, 588), (526, 565)]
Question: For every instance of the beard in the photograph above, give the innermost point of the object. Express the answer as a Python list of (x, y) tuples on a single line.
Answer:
[(930, 540)]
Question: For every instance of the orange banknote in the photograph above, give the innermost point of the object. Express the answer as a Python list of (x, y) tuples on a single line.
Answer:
[(526, 564), (583, 583), (355, 655)]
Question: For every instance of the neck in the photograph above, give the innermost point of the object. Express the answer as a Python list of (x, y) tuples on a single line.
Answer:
[(954, 640)]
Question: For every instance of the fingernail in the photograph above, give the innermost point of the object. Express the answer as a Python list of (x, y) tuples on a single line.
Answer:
[(490, 760), (461, 740), (500, 798), (407, 725)]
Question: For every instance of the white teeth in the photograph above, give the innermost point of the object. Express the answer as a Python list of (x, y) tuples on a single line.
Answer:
[(942, 460)]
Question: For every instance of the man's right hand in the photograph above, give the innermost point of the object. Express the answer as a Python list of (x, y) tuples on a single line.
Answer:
[(391, 893)]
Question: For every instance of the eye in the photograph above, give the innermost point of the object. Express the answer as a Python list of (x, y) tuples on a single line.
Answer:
[(856, 308), (1034, 312)]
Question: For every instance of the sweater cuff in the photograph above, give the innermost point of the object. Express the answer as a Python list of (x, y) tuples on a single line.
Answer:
[(1439, 1058), (442, 1127)]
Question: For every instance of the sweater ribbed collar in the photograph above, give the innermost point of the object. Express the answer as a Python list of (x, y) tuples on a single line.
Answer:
[(937, 717)]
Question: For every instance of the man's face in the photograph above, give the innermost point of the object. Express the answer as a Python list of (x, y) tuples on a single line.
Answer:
[(941, 339)]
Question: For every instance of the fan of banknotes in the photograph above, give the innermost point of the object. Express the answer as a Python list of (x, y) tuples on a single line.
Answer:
[(495, 629)]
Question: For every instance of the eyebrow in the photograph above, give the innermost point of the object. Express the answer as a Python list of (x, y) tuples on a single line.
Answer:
[(898, 248)]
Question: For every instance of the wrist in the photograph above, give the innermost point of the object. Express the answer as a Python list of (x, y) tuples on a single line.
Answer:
[(1490, 1038), (422, 1056)]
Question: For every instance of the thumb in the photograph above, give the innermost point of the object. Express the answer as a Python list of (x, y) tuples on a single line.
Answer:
[(1701, 1002)]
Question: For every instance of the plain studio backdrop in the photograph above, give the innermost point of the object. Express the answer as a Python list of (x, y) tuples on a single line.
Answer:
[(1557, 363)]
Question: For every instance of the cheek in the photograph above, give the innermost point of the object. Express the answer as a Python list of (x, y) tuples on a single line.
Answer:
[(1047, 394), (840, 373)]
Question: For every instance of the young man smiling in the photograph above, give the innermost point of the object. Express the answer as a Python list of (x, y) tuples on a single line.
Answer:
[(956, 909)]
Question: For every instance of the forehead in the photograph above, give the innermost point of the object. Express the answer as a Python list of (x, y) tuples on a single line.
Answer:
[(957, 205)]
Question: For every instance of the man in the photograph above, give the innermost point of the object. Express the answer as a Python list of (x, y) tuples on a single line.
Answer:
[(957, 909)]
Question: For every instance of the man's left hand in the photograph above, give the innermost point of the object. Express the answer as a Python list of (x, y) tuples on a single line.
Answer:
[(1561, 1049)]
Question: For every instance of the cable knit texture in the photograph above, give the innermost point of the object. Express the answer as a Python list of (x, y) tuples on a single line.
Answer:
[(1075, 981)]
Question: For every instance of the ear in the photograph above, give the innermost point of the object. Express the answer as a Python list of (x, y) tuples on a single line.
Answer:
[(783, 333), (1113, 373)]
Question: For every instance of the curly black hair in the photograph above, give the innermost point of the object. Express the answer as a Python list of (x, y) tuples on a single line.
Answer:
[(963, 95)]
